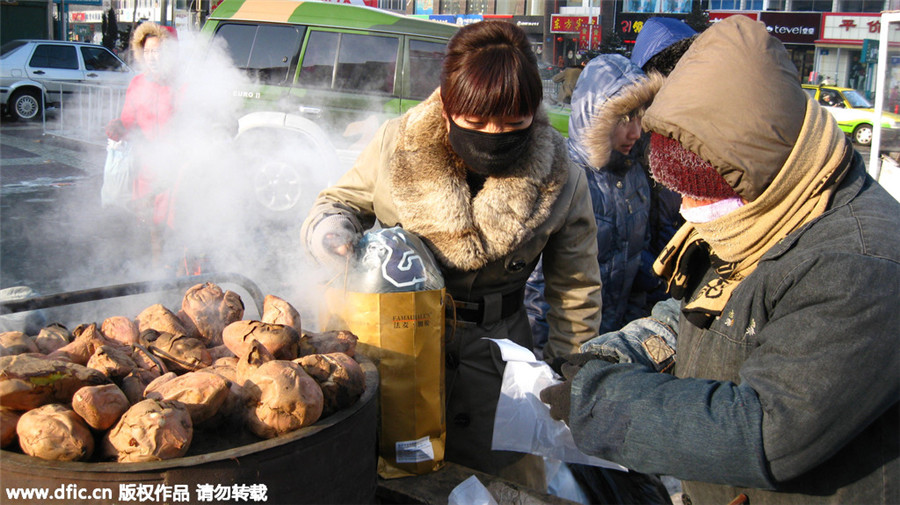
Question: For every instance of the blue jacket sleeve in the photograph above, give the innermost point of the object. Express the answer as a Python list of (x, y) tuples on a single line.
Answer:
[(536, 307), (693, 429)]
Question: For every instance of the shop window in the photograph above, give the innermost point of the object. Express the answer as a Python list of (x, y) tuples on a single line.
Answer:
[(862, 5), (812, 5)]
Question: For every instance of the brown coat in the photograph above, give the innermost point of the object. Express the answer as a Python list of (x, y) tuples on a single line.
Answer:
[(567, 79), (486, 247)]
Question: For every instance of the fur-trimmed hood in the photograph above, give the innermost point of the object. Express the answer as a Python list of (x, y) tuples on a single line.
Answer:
[(609, 87), (144, 30), (434, 201)]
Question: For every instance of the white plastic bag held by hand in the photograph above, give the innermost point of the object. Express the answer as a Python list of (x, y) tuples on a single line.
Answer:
[(523, 422), (470, 492), (117, 174)]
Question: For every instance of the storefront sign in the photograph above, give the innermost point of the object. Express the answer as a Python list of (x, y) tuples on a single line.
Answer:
[(569, 24), (716, 16), (839, 28), (793, 27), (589, 37), (630, 25), (531, 24), (457, 19)]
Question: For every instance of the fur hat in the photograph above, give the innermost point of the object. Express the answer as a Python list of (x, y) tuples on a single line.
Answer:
[(145, 30)]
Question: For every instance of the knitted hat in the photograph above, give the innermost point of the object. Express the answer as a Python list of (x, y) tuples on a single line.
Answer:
[(683, 171)]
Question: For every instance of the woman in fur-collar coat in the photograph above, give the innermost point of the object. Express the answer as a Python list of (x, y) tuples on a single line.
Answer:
[(488, 203)]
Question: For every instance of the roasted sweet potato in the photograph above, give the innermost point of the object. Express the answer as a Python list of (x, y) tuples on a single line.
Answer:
[(27, 382), (158, 317), (255, 357), (55, 432), (17, 342), (52, 337), (112, 361), (178, 352), (134, 384), (282, 341), (120, 329), (86, 339), (341, 378), (8, 420), (100, 406), (327, 342), (151, 430), (279, 311), (211, 310), (285, 397), (202, 393)]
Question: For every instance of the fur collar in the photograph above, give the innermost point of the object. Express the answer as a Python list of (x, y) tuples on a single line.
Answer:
[(433, 200), (598, 136)]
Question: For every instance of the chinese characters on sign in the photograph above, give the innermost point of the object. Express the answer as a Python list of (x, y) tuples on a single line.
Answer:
[(569, 24)]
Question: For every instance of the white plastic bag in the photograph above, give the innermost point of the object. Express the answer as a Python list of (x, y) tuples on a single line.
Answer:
[(118, 174), (523, 422), (471, 492)]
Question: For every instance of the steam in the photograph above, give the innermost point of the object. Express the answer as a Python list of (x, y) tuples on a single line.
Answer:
[(217, 222)]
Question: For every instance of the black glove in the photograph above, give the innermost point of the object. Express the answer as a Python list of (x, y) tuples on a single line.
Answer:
[(559, 396)]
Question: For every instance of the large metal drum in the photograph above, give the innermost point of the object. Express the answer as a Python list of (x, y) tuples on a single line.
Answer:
[(332, 461)]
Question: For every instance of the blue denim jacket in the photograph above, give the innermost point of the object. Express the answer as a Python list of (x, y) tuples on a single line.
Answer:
[(791, 395)]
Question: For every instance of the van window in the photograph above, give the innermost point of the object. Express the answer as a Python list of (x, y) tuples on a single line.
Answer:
[(268, 53), (54, 56), (318, 61), (425, 59), (350, 62)]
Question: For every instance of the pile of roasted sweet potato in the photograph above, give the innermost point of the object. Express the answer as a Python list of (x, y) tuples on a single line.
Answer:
[(140, 389)]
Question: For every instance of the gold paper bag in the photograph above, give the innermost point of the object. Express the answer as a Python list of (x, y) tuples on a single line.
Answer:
[(403, 333)]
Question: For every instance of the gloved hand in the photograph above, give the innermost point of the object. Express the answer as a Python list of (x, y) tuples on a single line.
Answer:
[(559, 396), (332, 239), (115, 130)]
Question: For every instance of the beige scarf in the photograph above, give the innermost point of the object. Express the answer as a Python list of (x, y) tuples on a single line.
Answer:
[(800, 192)]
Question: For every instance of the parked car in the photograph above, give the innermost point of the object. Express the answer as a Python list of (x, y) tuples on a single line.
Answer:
[(35, 73), (854, 113)]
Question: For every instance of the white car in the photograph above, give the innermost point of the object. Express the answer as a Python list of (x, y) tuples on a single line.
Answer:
[(38, 72)]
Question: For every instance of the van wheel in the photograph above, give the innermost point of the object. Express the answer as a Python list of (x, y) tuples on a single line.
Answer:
[(278, 183), (862, 135), (283, 170), (25, 104)]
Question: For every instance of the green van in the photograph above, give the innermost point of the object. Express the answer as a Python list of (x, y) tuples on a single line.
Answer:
[(326, 76)]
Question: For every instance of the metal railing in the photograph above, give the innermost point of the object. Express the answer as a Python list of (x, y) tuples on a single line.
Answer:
[(82, 111)]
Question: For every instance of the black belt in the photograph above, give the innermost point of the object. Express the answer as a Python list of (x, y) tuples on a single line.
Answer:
[(490, 309)]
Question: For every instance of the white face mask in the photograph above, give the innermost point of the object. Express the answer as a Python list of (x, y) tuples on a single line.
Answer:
[(707, 213)]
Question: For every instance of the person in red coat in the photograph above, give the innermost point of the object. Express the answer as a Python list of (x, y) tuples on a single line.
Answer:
[(150, 102)]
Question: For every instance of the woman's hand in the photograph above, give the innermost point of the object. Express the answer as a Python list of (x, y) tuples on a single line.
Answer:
[(333, 239), (115, 130)]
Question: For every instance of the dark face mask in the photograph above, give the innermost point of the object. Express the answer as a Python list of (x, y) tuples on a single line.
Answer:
[(488, 154)]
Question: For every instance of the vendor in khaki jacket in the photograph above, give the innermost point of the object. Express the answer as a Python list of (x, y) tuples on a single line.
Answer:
[(788, 275), (488, 199)]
